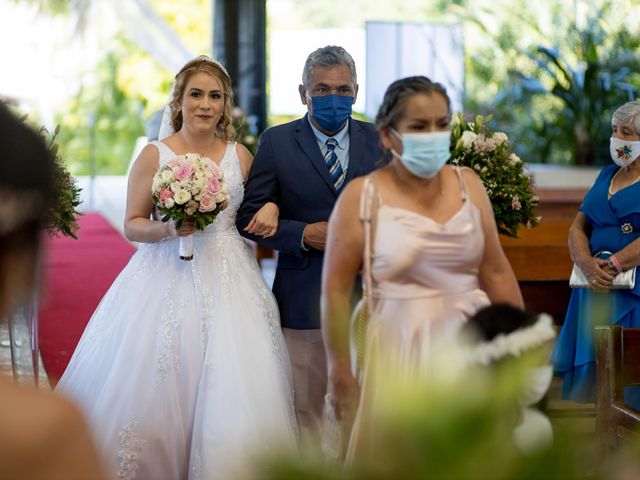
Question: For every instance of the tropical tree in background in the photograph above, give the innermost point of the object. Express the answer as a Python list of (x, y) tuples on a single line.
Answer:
[(550, 74), (100, 125), (555, 94)]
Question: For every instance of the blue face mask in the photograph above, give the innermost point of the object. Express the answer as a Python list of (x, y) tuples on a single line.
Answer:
[(424, 154), (331, 111)]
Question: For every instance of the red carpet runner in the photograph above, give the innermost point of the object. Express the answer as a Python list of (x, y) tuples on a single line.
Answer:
[(77, 274)]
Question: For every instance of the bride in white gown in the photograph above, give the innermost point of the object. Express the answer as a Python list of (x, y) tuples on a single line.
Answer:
[(182, 370)]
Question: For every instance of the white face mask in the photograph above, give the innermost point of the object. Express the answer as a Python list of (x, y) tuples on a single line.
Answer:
[(536, 386), (624, 152)]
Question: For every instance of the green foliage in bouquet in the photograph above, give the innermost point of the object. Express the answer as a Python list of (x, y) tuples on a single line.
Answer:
[(489, 154), (243, 129), (63, 213)]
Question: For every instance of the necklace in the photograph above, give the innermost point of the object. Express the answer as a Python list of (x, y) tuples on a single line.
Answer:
[(614, 177)]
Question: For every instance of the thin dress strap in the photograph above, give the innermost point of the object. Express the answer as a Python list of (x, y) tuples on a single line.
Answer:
[(365, 202), (463, 186)]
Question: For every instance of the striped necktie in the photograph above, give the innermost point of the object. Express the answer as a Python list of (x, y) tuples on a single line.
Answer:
[(335, 169)]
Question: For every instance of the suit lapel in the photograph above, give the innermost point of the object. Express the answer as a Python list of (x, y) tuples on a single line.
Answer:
[(309, 145)]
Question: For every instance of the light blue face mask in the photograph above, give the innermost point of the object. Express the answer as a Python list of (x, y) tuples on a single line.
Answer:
[(424, 154)]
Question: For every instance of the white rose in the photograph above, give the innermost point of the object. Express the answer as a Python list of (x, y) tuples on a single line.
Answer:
[(220, 197), (167, 175), (514, 159), (182, 196), (156, 184), (500, 138), (468, 138), (169, 203), (224, 188)]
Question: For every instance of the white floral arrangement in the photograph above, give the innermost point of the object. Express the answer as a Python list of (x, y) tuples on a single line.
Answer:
[(192, 188), (489, 154)]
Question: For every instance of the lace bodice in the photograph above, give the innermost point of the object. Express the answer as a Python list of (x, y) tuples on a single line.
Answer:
[(225, 222)]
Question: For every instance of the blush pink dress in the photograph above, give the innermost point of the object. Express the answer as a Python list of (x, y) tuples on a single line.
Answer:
[(425, 286)]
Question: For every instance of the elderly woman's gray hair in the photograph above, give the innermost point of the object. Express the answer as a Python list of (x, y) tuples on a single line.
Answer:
[(628, 114), (329, 56)]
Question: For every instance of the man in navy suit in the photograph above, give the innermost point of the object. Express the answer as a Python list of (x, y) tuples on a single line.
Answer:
[(302, 166)]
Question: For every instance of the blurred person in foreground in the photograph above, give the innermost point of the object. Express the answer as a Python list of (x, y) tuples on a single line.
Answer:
[(436, 256), (43, 436), (607, 221)]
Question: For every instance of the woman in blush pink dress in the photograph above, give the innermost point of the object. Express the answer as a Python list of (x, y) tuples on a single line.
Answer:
[(436, 255)]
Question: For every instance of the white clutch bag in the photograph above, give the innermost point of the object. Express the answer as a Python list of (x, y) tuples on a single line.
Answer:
[(623, 281)]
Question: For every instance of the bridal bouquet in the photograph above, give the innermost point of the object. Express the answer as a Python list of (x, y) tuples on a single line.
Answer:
[(190, 188), (509, 188)]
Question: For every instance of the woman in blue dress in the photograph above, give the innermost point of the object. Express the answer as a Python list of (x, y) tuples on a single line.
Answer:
[(608, 220)]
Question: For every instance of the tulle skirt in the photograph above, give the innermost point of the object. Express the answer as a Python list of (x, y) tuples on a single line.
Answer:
[(182, 370)]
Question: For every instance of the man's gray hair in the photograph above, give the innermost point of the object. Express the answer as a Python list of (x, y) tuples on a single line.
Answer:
[(628, 114), (329, 56)]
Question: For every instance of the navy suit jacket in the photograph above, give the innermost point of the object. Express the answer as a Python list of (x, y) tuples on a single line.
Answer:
[(290, 171)]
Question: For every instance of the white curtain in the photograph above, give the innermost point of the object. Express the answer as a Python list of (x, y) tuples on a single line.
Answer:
[(401, 49)]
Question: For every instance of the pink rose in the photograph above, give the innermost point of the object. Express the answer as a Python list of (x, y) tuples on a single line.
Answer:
[(164, 194), (214, 186), (185, 171), (207, 204)]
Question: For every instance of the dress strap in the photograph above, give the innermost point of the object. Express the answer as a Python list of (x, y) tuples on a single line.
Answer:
[(165, 153), (463, 186), (369, 199)]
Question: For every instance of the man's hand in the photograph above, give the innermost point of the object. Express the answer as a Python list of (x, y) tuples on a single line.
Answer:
[(315, 235)]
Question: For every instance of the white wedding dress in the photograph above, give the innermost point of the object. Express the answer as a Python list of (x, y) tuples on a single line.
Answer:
[(183, 371)]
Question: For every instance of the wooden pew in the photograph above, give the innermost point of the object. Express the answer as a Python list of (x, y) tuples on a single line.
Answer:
[(617, 366)]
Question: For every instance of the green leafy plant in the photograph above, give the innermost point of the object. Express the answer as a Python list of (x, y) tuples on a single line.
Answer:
[(63, 213), (585, 91), (489, 154), (557, 96), (62, 216)]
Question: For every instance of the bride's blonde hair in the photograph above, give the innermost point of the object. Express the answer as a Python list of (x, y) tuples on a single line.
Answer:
[(225, 128)]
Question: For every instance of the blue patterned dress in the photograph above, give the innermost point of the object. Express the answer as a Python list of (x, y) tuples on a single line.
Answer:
[(574, 353)]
